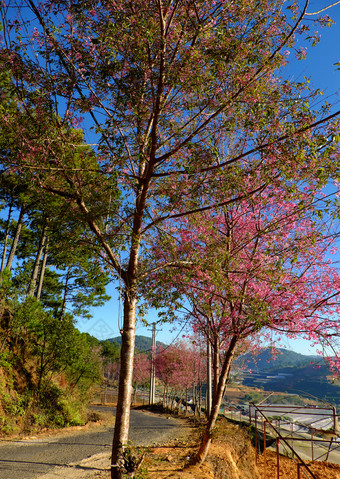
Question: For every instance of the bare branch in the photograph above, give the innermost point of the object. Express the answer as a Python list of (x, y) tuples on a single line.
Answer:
[(323, 9)]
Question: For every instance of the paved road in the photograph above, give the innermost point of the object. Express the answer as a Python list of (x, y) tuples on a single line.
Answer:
[(28, 459)]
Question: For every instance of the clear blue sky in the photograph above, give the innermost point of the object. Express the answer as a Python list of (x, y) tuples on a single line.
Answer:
[(319, 66)]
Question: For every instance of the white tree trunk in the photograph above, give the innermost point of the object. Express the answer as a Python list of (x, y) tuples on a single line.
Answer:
[(121, 431), (42, 270)]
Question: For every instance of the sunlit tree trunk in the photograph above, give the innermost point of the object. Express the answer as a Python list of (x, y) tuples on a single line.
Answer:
[(216, 363), (16, 238), (121, 432), (199, 399), (42, 270), (4, 251), (63, 306), (35, 272)]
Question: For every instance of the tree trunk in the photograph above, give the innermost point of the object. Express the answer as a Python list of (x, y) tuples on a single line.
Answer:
[(121, 431), (34, 277), (173, 399), (215, 360), (134, 395), (216, 403), (42, 270), (16, 238), (208, 393), (6, 238), (200, 399), (164, 393), (194, 398), (63, 305)]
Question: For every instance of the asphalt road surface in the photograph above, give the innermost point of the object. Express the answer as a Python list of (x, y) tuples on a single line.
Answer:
[(32, 458)]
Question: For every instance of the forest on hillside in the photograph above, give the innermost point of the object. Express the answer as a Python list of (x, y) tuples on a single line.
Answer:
[(289, 372)]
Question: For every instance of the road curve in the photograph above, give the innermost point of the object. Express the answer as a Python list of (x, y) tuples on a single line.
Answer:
[(36, 457)]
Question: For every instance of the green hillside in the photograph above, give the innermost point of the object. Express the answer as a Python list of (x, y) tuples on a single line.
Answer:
[(143, 343), (267, 361), (290, 372)]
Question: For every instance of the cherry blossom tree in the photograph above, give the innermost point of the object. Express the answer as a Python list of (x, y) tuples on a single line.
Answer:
[(175, 98), (179, 367), (141, 370), (256, 268)]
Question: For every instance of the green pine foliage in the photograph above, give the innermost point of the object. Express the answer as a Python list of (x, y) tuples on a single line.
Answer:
[(48, 369)]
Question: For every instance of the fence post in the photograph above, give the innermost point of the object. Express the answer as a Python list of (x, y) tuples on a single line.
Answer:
[(329, 448), (255, 437), (264, 450), (298, 471), (278, 457), (335, 422)]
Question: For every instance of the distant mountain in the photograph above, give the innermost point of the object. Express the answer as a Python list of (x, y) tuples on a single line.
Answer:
[(143, 343), (284, 358), (290, 372)]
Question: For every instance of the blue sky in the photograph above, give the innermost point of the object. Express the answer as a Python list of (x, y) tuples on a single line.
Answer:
[(319, 66)]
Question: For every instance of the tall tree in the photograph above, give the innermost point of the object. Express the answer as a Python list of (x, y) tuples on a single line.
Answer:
[(38, 260), (6, 236), (180, 93), (16, 238)]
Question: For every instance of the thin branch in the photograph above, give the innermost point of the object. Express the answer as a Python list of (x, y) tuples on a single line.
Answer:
[(66, 63), (323, 9), (96, 230), (239, 91)]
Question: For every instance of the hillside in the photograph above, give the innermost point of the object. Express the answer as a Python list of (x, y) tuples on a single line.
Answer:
[(290, 372), (143, 343), (48, 369), (284, 358)]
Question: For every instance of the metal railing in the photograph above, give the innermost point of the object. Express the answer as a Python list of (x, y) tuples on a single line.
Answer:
[(262, 421)]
